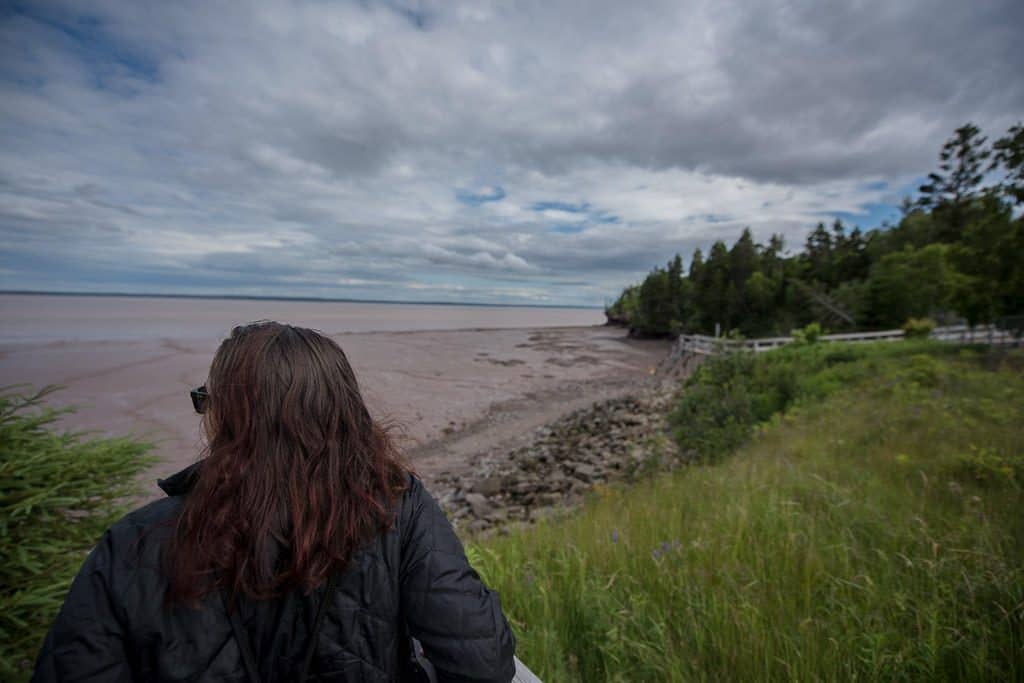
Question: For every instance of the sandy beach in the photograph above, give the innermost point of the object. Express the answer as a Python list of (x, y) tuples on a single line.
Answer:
[(450, 394)]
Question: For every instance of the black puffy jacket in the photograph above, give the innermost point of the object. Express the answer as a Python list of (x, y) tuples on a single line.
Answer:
[(114, 627)]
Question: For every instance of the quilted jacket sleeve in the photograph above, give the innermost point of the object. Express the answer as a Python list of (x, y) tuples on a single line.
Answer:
[(86, 641), (446, 605)]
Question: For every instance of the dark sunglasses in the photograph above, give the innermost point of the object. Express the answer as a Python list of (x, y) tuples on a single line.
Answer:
[(199, 398)]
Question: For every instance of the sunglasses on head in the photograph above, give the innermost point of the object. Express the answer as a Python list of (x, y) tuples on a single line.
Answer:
[(199, 398)]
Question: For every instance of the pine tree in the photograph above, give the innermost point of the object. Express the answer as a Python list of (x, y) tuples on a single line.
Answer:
[(1009, 153), (950, 192), (818, 255), (696, 263)]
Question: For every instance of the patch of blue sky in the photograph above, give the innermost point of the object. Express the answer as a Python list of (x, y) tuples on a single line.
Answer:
[(470, 198), (568, 228), (588, 215), (886, 210), (413, 12), (871, 215), (561, 206), (107, 58)]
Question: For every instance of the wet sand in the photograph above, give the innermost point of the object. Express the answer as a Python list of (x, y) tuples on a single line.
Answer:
[(452, 393)]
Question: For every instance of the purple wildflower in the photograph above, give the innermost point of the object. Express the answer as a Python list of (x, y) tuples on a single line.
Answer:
[(664, 548)]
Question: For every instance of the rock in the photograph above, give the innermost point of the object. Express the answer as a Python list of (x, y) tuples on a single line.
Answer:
[(548, 498), (578, 485), (557, 482), (524, 487), (498, 515), (587, 473), (480, 505), (562, 461), (490, 486)]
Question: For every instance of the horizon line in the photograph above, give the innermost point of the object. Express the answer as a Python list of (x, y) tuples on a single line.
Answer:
[(311, 299)]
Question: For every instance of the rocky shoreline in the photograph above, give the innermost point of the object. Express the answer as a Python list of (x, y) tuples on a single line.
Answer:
[(613, 440)]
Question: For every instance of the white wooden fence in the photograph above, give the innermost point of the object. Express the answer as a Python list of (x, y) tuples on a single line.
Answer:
[(982, 334)]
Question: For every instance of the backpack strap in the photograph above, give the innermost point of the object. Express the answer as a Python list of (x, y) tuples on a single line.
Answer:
[(245, 646), (321, 612)]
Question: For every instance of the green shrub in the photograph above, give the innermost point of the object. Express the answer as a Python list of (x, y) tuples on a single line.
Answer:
[(59, 491), (923, 370), (715, 413), (918, 328), (988, 467), (808, 335), (731, 393)]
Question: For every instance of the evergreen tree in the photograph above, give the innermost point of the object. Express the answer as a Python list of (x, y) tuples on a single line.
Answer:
[(713, 291), (696, 264), (818, 255), (988, 257), (949, 192), (675, 285), (773, 265), (654, 311), (759, 293), (743, 259), (1009, 153), (679, 296), (913, 283), (851, 257)]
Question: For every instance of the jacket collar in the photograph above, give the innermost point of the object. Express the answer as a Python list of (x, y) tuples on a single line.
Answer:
[(181, 483)]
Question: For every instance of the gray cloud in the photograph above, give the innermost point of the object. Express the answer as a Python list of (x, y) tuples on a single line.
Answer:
[(553, 151)]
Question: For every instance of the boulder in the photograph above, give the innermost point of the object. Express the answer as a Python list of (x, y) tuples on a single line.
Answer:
[(478, 504), (490, 486), (585, 472)]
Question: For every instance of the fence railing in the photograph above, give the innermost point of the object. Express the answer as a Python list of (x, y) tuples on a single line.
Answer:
[(981, 334)]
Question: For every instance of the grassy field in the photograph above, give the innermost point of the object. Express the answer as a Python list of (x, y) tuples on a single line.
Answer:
[(872, 530)]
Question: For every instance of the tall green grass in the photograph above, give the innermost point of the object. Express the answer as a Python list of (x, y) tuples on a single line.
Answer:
[(872, 531)]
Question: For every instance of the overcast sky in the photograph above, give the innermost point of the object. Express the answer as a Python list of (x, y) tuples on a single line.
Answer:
[(532, 152)]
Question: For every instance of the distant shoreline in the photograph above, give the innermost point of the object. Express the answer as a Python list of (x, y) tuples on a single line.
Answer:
[(312, 299)]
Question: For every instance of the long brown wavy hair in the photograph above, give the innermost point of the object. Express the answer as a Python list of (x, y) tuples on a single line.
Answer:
[(297, 475)]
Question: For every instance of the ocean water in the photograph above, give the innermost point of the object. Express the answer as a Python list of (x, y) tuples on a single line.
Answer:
[(46, 319)]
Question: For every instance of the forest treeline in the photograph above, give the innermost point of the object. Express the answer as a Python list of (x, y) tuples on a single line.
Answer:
[(957, 253)]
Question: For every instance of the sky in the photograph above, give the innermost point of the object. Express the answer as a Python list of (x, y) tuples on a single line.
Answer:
[(541, 152)]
